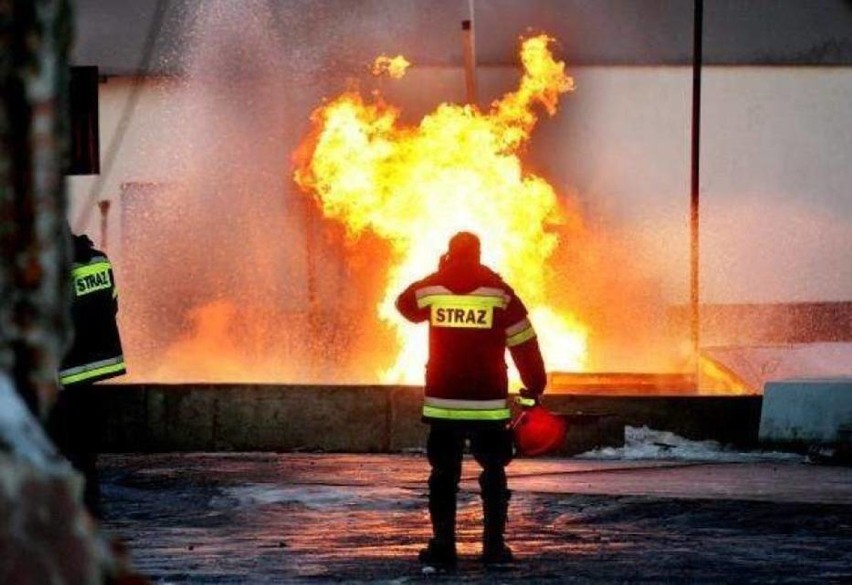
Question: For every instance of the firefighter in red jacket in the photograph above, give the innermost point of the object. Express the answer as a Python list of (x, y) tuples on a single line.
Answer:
[(95, 354), (473, 317)]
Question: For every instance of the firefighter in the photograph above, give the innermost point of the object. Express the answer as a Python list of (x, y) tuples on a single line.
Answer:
[(473, 317), (95, 354)]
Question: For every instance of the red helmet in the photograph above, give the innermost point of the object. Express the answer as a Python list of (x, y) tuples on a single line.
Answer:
[(538, 431)]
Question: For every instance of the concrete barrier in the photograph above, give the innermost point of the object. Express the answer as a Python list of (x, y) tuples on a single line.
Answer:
[(371, 419), (729, 420), (806, 412), (248, 417)]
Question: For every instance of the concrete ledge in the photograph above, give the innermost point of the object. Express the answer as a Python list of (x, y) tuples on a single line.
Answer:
[(806, 412), (375, 419), (240, 417), (591, 431), (730, 420)]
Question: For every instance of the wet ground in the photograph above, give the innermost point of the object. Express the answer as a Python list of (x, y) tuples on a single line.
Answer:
[(321, 518)]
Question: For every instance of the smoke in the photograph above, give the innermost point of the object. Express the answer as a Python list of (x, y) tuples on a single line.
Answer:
[(216, 251), (227, 272), (230, 274), (601, 277)]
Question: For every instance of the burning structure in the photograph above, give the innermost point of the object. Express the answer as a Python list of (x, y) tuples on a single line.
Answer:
[(384, 196), (458, 169), (230, 272)]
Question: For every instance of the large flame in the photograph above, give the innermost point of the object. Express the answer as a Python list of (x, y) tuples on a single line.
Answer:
[(459, 169)]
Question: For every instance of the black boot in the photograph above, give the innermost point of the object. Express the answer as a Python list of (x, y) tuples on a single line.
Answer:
[(441, 550), (439, 554), (494, 549), (497, 554)]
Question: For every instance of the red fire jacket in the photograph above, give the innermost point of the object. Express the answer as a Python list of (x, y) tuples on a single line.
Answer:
[(473, 317)]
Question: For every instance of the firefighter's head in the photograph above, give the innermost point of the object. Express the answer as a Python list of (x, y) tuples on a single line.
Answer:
[(464, 248)]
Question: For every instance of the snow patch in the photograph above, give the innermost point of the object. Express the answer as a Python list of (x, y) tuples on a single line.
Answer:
[(644, 443), (316, 496)]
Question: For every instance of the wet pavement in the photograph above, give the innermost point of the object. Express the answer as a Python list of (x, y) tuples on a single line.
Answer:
[(324, 518)]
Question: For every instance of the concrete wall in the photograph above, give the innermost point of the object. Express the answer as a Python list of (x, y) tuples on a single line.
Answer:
[(154, 417), (368, 419), (807, 411)]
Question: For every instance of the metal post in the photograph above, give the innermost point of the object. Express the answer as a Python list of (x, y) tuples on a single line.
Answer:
[(469, 60), (695, 318), (104, 205)]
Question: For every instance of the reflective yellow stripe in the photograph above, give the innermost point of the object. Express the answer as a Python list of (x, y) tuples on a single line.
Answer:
[(456, 404), (488, 291), (518, 326), (423, 294), (456, 414), (520, 337), (119, 359), (491, 297), (463, 300), (525, 401), (86, 269), (93, 373)]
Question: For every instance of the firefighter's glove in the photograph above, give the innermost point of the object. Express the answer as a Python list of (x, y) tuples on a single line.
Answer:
[(528, 398)]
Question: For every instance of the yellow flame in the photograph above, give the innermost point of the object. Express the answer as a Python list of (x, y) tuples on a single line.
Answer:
[(717, 379), (459, 169), (393, 67)]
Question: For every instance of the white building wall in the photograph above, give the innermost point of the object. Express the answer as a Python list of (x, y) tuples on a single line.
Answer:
[(776, 207), (776, 170)]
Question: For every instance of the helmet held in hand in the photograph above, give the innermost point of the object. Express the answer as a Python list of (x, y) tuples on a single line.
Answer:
[(537, 431)]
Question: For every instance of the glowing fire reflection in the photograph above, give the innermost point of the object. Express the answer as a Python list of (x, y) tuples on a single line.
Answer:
[(393, 67), (458, 169)]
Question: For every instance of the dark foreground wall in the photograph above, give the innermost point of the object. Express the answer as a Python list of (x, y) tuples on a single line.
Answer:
[(373, 419)]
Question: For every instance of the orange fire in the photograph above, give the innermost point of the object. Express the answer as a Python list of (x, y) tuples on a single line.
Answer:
[(715, 378), (393, 67), (458, 169)]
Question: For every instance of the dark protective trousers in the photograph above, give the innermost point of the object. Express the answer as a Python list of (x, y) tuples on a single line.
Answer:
[(74, 424), (491, 446)]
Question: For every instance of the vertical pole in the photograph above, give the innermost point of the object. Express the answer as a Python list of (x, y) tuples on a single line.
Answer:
[(104, 205), (695, 317), (469, 60)]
